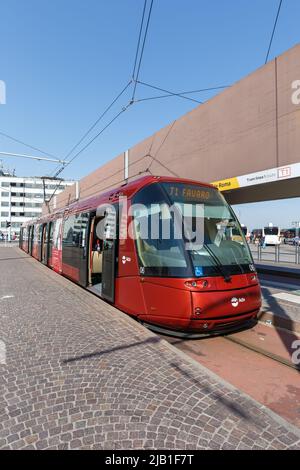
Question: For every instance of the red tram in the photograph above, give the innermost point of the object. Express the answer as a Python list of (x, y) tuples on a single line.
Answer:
[(206, 289)]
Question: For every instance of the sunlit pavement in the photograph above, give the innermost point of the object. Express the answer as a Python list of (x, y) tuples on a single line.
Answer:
[(261, 361), (80, 374), (257, 361)]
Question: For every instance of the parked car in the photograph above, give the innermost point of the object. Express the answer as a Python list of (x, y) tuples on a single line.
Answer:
[(292, 241)]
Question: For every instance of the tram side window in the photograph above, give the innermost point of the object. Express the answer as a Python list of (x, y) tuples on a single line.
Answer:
[(68, 231), (81, 223), (57, 234), (40, 231), (74, 231), (36, 233), (23, 234)]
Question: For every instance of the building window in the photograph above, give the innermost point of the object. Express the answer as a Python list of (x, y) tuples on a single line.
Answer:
[(4, 214), (5, 184), (4, 194), (18, 214)]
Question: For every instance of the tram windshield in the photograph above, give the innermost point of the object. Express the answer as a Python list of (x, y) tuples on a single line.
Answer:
[(216, 250)]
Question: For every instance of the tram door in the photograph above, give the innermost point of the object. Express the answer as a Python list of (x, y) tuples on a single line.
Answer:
[(50, 244), (109, 255), (30, 239), (44, 244), (74, 247)]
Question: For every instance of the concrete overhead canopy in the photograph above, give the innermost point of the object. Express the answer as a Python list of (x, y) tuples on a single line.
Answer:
[(271, 184)]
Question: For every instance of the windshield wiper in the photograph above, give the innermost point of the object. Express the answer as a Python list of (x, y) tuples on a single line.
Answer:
[(238, 263), (219, 265)]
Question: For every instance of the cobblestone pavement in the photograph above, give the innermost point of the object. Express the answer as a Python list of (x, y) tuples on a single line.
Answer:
[(80, 374), (280, 308)]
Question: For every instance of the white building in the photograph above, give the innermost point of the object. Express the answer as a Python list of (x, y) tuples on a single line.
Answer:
[(21, 199)]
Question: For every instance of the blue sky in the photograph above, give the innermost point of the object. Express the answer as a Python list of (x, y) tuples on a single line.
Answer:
[(63, 61)]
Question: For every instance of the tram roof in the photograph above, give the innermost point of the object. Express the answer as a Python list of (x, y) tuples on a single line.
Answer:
[(112, 195)]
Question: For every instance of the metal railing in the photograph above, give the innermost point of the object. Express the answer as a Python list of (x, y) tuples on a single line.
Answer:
[(285, 254), (5, 243)]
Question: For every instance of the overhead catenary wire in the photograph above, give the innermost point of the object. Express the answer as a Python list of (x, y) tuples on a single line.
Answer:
[(135, 80), (32, 157), (154, 158), (109, 186), (99, 118), (139, 40), (147, 169), (96, 122), (14, 139), (171, 95), (121, 170), (87, 145), (273, 31), (134, 75), (169, 92), (142, 51), (124, 109), (124, 89), (135, 162), (95, 137)]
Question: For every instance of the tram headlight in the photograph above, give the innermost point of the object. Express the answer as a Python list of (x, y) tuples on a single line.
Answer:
[(198, 310), (200, 284), (191, 283)]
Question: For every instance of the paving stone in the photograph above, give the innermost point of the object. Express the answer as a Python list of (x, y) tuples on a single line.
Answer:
[(81, 375)]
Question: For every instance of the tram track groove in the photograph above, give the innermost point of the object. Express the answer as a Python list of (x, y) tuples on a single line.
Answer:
[(263, 352)]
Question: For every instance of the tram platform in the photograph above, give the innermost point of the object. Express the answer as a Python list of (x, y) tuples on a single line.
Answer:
[(281, 295), (291, 270), (78, 374)]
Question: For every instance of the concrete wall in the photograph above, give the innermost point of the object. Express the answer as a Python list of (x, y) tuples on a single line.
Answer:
[(249, 127)]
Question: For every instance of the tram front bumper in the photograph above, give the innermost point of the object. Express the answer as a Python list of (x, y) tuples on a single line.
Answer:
[(219, 310)]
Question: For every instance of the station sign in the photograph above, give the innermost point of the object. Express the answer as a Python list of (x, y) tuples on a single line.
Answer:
[(259, 177)]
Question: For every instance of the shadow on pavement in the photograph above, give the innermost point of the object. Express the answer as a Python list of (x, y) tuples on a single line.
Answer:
[(287, 339), (107, 351), (12, 259), (233, 407)]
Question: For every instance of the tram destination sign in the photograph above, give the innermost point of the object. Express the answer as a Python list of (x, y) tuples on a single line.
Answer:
[(190, 193)]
